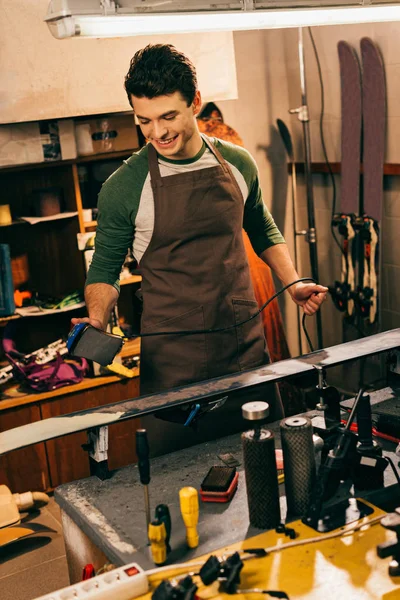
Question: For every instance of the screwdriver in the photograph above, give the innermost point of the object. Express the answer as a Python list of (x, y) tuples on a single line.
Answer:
[(162, 514), (189, 503), (157, 536), (142, 451)]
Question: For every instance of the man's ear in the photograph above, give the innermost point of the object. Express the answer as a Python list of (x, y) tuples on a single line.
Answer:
[(197, 103)]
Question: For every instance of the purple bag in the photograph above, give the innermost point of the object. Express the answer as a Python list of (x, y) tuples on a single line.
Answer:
[(44, 377)]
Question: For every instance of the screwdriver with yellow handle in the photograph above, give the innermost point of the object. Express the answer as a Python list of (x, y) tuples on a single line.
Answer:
[(157, 538), (189, 503)]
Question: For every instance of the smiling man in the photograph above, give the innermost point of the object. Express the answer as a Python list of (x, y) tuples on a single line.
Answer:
[(181, 203)]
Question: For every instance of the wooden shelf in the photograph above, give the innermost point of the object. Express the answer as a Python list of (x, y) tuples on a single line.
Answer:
[(89, 224), (318, 167), (130, 348), (15, 399), (78, 160), (131, 279), (15, 223), (86, 384), (5, 320)]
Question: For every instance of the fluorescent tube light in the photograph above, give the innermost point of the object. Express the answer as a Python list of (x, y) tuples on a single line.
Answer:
[(152, 24)]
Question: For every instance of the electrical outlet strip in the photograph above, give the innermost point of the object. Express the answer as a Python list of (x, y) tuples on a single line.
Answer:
[(123, 583)]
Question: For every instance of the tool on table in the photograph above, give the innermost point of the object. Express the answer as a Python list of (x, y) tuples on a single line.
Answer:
[(219, 485), (229, 459), (260, 468), (368, 473), (288, 531), (298, 462), (157, 538), (224, 569), (339, 464), (142, 451), (162, 514), (183, 589), (189, 503), (87, 341)]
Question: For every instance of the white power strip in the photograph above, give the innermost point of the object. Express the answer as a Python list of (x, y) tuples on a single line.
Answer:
[(123, 583)]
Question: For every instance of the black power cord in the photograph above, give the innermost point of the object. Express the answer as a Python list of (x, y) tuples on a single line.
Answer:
[(220, 329), (303, 324)]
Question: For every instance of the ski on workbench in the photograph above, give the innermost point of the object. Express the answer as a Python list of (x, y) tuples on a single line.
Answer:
[(202, 392)]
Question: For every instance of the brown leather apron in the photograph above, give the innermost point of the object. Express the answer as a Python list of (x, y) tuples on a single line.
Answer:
[(195, 276)]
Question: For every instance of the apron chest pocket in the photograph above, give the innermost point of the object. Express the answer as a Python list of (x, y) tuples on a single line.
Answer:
[(250, 335)]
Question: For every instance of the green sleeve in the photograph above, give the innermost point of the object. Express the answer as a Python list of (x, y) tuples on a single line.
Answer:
[(115, 229), (258, 221)]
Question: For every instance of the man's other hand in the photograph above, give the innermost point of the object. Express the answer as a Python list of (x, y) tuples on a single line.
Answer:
[(94, 322), (308, 295)]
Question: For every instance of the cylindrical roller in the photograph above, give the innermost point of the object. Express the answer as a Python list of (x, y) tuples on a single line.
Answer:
[(298, 463), (261, 478)]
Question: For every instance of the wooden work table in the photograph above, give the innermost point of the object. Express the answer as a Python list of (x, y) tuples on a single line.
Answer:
[(44, 466)]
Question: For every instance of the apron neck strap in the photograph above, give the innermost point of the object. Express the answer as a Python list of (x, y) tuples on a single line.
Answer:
[(216, 152), (154, 169)]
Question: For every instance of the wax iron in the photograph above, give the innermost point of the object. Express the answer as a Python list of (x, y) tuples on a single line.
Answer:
[(87, 341)]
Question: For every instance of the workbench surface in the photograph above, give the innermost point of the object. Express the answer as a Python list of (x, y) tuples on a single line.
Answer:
[(112, 514)]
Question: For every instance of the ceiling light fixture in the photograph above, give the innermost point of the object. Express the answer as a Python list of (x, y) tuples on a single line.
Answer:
[(105, 18)]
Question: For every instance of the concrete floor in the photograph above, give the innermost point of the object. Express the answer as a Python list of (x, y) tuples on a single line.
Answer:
[(36, 566)]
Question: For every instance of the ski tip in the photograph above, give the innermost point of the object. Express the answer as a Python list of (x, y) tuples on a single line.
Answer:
[(345, 49), (368, 45)]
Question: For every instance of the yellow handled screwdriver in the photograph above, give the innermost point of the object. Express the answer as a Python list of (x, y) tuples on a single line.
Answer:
[(157, 536), (189, 503)]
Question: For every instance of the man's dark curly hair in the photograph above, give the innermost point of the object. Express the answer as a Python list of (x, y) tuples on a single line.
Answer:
[(160, 70)]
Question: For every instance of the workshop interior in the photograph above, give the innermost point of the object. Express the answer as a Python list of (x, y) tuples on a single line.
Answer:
[(204, 490)]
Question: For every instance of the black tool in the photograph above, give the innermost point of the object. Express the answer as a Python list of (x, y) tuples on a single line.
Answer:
[(162, 514), (94, 344), (142, 451), (218, 479), (368, 472), (184, 589), (226, 571), (260, 468), (288, 531), (339, 465)]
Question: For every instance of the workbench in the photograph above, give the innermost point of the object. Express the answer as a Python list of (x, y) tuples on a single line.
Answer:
[(104, 521)]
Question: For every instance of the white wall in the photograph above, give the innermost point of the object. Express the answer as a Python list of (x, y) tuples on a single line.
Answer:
[(44, 78)]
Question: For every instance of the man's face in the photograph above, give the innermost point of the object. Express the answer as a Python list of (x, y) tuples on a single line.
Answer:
[(169, 124)]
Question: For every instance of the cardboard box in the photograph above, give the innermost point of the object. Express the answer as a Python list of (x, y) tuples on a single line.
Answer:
[(24, 143), (107, 133), (66, 130), (20, 144)]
